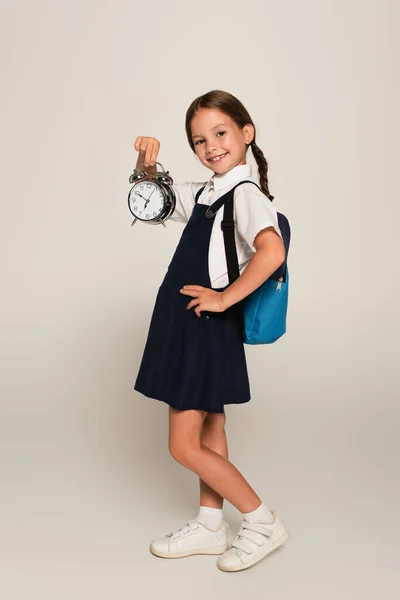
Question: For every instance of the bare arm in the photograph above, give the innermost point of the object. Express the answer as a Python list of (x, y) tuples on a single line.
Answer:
[(269, 255)]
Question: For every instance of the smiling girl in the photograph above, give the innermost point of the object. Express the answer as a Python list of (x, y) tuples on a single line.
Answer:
[(194, 358)]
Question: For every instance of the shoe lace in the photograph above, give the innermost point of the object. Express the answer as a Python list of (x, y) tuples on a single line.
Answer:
[(250, 535)]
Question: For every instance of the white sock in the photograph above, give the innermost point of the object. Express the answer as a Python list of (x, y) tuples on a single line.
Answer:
[(210, 517), (262, 513)]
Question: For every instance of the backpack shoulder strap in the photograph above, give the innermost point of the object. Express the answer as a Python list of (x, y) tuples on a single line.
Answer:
[(228, 228)]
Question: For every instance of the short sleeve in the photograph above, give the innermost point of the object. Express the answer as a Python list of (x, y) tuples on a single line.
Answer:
[(253, 211), (185, 194)]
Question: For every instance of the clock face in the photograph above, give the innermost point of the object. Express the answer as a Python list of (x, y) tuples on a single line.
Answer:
[(146, 200)]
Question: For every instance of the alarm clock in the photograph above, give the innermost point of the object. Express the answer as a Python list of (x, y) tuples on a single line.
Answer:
[(151, 199)]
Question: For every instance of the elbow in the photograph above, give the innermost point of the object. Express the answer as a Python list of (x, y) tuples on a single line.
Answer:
[(277, 261), (273, 250), (280, 256), (274, 259)]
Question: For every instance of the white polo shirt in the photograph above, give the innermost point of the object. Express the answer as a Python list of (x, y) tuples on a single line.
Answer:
[(253, 211)]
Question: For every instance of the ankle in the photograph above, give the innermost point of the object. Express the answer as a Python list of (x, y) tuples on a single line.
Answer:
[(261, 513), (210, 517)]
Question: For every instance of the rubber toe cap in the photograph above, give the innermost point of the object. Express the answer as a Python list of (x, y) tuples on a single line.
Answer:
[(229, 559), (160, 545)]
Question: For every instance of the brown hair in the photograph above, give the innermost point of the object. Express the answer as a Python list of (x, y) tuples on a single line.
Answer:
[(232, 107)]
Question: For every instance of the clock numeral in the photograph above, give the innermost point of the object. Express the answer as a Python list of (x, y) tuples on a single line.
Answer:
[(147, 216), (149, 185), (154, 214), (135, 208)]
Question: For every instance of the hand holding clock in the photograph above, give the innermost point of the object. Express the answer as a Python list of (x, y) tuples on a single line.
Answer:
[(151, 199), (148, 147)]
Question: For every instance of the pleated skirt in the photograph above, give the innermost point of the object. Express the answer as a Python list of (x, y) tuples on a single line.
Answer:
[(193, 362)]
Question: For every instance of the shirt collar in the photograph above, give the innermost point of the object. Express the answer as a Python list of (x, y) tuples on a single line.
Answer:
[(239, 172)]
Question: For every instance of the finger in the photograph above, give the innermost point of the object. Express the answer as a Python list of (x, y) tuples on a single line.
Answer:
[(189, 293), (192, 303), (149, 151), (197, 288), (154, 154), (137, 143), (143, 145), (198, 311)]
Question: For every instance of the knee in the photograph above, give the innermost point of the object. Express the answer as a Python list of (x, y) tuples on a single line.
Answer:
[(184, 452), (175, 450)]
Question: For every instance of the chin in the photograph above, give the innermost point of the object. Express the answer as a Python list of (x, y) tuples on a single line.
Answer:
[(221, 168)]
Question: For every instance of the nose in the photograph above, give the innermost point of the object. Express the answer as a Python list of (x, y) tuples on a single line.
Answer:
[(210, 148)]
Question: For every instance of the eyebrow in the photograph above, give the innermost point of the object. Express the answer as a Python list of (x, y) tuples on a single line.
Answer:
[(219, 125)]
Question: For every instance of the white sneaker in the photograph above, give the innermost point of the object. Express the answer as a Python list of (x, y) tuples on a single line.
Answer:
[(254, 541), (191, 538)]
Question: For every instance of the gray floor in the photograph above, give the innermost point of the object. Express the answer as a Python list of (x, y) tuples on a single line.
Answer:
[(77, 524)]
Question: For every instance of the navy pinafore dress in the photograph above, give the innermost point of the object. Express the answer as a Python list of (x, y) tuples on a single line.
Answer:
[(191, 362)]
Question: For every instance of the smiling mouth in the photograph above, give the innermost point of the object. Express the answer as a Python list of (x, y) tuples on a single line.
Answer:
[(217, 158)]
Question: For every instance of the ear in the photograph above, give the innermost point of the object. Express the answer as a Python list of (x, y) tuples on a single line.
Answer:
[(248, 133)]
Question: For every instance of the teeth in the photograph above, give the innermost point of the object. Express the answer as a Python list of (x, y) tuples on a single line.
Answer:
[(217, 158)]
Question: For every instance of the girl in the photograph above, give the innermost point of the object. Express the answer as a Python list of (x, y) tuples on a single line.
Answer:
[(194, 357)]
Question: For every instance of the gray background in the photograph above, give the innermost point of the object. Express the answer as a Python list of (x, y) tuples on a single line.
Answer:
[(86, 477)]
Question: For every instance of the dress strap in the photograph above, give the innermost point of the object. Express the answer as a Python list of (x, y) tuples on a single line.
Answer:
[(218, 203), (199, 194)]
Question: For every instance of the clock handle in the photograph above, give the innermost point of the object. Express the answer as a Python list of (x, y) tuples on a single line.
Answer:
[(157, 163), (162, 176)]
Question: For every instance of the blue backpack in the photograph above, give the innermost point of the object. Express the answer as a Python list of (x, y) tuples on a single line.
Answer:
[(263, 312)]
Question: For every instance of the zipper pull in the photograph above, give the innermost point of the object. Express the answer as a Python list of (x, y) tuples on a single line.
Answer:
[(279, 286)]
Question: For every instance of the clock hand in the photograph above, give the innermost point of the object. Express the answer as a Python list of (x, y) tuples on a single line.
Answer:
[(148, 199), (145, 206), (139, 194)]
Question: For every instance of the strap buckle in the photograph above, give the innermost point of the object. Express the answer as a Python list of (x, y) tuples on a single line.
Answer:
[(227, 225)]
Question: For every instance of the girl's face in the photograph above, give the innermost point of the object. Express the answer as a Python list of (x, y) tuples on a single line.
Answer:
[(215, 134)]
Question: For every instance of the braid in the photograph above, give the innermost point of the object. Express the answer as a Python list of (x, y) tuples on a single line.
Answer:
[(262, 168)]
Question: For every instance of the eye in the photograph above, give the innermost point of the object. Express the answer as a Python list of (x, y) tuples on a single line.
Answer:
[(201, 141)]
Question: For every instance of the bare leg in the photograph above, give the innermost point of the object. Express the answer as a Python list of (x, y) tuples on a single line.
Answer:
[(213, 436), (216, 471)]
